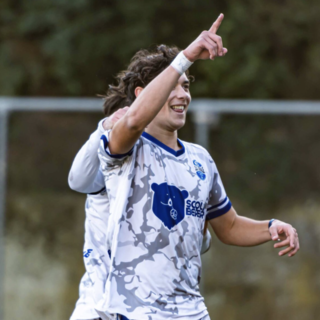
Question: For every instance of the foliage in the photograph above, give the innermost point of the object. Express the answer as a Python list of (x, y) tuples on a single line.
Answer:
[(68, 48)]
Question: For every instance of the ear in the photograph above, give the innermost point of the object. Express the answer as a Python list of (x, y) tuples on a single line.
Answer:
[(185, 194), (154, 187), (137, 91)]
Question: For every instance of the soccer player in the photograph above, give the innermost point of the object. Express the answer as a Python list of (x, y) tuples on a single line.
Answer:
[(161, 192), (85, 177)]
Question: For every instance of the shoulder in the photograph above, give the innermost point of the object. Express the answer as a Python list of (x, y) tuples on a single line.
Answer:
[(194, 148), (199, 153)]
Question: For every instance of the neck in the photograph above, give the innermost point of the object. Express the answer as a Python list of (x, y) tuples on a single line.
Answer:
[(169, 138)]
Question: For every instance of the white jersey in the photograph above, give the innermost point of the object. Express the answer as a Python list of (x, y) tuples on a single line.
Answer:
[(95, 256), (159, 201), (85, 177)]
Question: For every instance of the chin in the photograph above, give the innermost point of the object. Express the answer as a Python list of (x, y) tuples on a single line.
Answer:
[(178, 125)]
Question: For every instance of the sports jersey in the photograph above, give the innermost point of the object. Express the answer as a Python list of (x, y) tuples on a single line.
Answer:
[(159, 201), (95, 256), (85, 177)]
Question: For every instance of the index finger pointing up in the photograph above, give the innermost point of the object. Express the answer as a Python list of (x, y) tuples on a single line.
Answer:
[(214, 28)]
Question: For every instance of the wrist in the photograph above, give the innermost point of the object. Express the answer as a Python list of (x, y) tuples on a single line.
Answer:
[(188, 56), (181, 63), (270, 223)]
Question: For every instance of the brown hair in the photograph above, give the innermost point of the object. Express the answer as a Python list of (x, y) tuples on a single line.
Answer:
[(143, 68)]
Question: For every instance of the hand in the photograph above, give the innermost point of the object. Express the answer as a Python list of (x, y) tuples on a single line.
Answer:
[(208, 45), (287, 235), (117, 115)]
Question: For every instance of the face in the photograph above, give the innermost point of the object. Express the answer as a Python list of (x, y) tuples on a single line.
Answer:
[(172, 116)]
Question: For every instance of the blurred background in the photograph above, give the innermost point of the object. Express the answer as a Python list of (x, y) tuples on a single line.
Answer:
[(269, 163)]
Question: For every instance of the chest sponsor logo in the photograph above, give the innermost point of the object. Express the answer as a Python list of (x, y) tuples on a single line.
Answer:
[(195, 208), (169, 203), (199, 170)]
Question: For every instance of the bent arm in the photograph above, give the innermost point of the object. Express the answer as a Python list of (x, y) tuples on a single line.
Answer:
[(149, 102), (236, 230), (84, 175), (143, 110)]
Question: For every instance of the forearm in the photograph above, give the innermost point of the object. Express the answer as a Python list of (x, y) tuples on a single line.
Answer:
[(144, 109), (248, 232), (236, 230)]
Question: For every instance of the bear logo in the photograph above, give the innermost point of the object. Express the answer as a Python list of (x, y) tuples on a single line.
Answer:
[(169, 203)]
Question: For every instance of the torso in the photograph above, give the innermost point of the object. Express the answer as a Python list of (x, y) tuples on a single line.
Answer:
[(156, 265)]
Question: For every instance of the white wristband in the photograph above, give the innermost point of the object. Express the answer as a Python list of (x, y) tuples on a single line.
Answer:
[(181, 63)]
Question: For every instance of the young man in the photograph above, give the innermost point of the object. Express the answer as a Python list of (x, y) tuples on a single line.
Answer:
[(85, 177), (161, 192)]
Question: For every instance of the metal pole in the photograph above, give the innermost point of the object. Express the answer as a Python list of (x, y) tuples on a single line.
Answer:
[(203, 122), (3, 158)]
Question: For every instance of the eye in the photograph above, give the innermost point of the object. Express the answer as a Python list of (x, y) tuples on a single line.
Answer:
[(170, 202), (186, 87)]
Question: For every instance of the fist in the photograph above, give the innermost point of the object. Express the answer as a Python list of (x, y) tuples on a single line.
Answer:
[(116, 116)]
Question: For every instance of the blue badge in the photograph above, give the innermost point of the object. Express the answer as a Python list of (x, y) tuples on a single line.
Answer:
[(199, 170), (197, 164), (169, 203), (201, 175)]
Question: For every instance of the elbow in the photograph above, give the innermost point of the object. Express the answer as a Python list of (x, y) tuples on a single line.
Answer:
[(226, 236), (227, 241), (73, 184), (224, 239)]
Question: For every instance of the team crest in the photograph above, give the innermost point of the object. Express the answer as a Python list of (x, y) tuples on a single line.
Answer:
[(169, 204), (199, 170)]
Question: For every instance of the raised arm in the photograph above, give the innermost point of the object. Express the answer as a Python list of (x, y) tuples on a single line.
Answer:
[(152, 98), (84, 175)]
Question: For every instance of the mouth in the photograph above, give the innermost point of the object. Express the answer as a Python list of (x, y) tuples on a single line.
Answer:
[(178, 108)]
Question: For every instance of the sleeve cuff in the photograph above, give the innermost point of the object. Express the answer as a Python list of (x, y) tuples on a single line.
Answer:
[(219, 209), (100, 126), (107, 151)]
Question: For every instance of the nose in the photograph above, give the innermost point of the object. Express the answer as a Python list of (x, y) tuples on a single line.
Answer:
[(182, 94)]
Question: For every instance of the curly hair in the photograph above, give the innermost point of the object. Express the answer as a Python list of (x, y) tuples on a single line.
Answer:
[(143, 68)]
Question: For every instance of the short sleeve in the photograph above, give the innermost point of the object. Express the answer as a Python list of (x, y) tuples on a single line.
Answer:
[(105, 156), (218, 203)]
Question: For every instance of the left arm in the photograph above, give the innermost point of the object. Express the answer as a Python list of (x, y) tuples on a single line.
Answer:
[(84, 175), (237, 230)]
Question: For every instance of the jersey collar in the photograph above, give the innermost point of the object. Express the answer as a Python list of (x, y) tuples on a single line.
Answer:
[(163, 146)]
